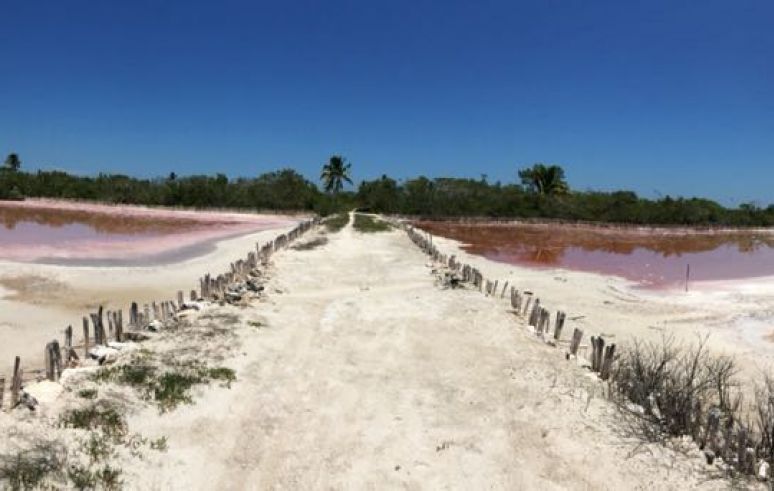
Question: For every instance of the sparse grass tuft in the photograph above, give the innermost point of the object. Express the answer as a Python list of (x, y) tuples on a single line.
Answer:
[(336, 222), (159, 444), (369, 224), (87, 393), (172, 389), (108, 478), (227, 375), (311, 244), (27, 469), (99, 416)]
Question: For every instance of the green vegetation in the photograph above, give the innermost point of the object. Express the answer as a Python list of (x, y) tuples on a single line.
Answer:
[(100, 416), (451, 197), (369, 224), (87, 393), (167, 386), (542, 192), (12, 162), (107, 477), (336, 222), (545, 180), (335, 173), (310, 244), (28, 468)]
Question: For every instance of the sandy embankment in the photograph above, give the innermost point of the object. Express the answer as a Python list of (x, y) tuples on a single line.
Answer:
[(364, 375), (38, 301), (355, 371), (738, 315)]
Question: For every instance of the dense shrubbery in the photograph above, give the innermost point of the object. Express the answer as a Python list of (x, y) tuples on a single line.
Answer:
[(284, 189), (542, 194), (448, 197)]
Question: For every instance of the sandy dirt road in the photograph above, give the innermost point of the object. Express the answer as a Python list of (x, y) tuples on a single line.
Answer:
[(365, 375)]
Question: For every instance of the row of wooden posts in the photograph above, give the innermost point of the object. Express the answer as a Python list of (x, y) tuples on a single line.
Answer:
[(524, 304), (60, 356)]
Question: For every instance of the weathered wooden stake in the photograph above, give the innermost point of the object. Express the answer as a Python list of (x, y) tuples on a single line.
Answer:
[(560, 316), (86, 337), (607, 362), (577, 335), (16, 382)]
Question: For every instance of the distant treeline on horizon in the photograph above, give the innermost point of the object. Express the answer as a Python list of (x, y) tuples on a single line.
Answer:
[(288, 190)]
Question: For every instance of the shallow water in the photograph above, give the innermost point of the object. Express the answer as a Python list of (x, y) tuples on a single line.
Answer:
[(21, 225), (88, 234), (650, 258)]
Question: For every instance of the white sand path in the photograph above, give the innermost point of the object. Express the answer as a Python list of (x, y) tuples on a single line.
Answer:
[(367, 376)]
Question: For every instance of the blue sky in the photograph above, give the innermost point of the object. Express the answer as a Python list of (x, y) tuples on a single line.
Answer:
[(662, 97)]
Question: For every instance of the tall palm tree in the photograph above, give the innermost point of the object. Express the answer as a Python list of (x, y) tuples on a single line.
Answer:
[(544, 179), (335, 173), (13, 162)]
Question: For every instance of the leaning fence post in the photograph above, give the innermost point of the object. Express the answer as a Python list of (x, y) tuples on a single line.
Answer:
[(607, 362)]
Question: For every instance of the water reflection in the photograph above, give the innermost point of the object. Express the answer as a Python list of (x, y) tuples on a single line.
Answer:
[(649, 257), (98, 223)]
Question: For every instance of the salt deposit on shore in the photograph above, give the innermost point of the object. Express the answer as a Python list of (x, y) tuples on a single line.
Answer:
[(355, 371), (38, 301)]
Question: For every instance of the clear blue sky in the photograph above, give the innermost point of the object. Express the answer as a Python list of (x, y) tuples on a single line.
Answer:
[(671, 97)]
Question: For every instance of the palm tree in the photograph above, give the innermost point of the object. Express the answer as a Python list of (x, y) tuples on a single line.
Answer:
[(12, 162), (335, 173), (544, 179)]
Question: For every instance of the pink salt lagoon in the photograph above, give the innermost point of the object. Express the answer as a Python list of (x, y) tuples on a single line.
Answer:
[(650, 257), (78, 233)]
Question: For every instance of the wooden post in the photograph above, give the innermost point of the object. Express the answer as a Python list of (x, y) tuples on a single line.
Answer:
[(598, 346), (180, 297), (560, 316), (527, 303), (505, 287), (577, 335), (97, 333), (111, 326), (687, 275), (69, 337), (16, 382), (86, 338), (193, 296), (2, 392), (134, 321), (49, 359), (607, 362), (120, 326), (56, 353)]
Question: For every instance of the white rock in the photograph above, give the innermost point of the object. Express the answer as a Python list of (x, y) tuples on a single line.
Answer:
[(763, 470), (44, 392), (122, 346), (155, 325), (192, 306), (103, 354), (74, 376)]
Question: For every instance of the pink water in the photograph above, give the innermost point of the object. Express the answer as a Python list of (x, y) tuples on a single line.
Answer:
[(49, 231), (652, 258)]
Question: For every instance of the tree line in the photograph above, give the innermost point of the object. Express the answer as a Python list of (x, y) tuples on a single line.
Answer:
[(541, 193)]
